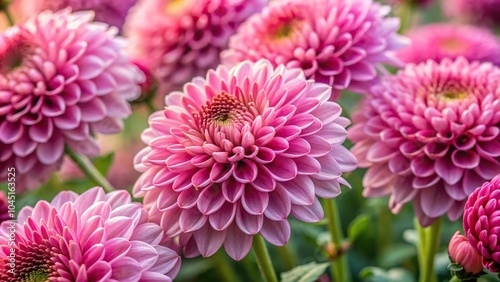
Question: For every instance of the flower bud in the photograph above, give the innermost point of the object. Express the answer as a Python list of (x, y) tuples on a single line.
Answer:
[(463, 253)]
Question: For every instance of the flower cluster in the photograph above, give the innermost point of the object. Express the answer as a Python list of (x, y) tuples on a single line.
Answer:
[(429, 135), (236, 153), (62, 79)]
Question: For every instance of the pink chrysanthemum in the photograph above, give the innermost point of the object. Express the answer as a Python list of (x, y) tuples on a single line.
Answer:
[(430, 135), (91, 237), (62, 79), (182, 39), (481, 223), (112, 12), (4, 208), (444, 40), (338, 42), (238, 152), (485, 12)]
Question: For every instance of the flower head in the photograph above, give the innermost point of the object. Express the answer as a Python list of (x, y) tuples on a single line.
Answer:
[(463, 253), (237, 152), (336, 42), (62, 80), (481, 225), (430, 135), (112, 12), (91, 237), (4, 208), (444, 40), (485, 12), (182, 39)]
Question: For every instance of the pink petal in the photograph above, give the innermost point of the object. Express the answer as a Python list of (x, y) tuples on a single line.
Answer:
[(248, 223), (222, 218), (276, 232), (448, 171), (210, 200), (311, 213), (191, 220), (279, 204), (208, 240), (237, 243), (254, 201)]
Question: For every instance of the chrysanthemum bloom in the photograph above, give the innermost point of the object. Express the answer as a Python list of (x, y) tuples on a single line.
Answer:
[(338, 42), (62, 79), (481, 223), (112, 12), (91, 237), (4, 208), (430, 135), (444, 40), (236, 153), (485, 12), (463, 253), (180, 39)]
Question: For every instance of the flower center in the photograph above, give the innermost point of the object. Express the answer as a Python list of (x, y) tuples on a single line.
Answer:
[(175, 7), (452, 45), (39, 275), (223, 110), (13, 50), (452, 95)]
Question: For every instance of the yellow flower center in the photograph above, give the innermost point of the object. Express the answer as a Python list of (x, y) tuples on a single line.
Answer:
[(175, 7)]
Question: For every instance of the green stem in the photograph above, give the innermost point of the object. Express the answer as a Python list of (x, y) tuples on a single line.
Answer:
[(224, 267), (90, 170), (10, 20), (429, 249), (287, 256), (263, 260), (455, 279), (340, 268), (150, 105), (406, 16)]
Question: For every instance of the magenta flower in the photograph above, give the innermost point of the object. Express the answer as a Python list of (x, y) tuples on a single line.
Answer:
[(236, 153), (444, 40), (4, 208), (430, 135), (463, 253), (481, 225), (182, 39), (112, 12), (485, 12), (91, 237), (340, 43), (62, 79)]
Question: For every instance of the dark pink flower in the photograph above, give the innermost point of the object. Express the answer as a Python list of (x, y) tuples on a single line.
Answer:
[(445, 40), (463, 253), (237, 152), (481, 222), (62, 80), (112, 12), (4, 208), (91, 237), (429, 135), (180, 39), (485, 12), (340, 43)]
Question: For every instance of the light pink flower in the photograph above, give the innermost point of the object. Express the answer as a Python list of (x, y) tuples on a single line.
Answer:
[(91, 237), (180, 39), (237, 152), (480, 222), (485, 12), (62, 80), (112, 12), (463, 253), (429, 135), (338, 42), (445, 40)]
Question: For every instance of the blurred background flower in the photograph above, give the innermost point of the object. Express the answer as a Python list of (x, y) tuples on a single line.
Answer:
[(4, 208), (482, 12)]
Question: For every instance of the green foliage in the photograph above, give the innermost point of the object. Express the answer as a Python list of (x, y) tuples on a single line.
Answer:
[(375, 274), (304, 273)]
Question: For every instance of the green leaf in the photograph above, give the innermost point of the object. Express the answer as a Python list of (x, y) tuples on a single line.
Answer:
[(358, 226), (455, 267), (411, 236), (103, 163), (375, 274), (304, 273)]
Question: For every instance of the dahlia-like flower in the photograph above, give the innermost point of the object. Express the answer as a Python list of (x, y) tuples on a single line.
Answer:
[(463, 253), (62, 80), (481, 224), (338, 42), (91, 237), (445, 40), (112, 12), (4, 208), (484, 12), (180, 39), (237, 152), (430, 135)]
